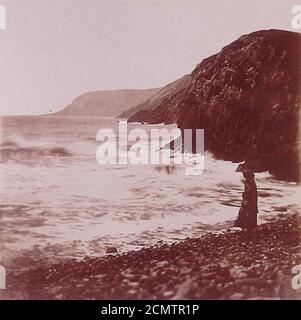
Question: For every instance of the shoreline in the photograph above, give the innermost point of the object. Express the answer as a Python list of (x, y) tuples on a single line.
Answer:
[(226, 265)]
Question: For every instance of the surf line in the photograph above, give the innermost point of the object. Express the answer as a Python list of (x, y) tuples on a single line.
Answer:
[(140, 146)]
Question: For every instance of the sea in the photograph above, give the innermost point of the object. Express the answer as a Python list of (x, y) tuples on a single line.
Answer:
[(57, 202)]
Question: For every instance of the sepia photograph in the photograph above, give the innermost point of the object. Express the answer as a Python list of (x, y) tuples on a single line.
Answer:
[(150, 150)]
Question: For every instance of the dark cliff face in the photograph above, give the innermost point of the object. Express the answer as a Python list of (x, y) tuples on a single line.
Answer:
[(247, 98)]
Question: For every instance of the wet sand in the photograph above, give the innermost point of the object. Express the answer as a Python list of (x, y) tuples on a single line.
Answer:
[(225, 265)]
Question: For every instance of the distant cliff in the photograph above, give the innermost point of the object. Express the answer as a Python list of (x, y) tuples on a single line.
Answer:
[(107, 103), (247, 98)]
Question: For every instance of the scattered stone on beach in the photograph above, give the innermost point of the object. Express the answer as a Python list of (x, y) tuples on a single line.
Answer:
[(145, 216), (228, 265), (237, 296), (111, 250)]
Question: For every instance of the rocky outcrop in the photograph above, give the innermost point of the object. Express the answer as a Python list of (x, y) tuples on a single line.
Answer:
[(107, 103), (247, 98)]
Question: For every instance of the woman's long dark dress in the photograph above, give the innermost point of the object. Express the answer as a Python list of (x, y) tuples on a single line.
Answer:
[(247, 215)]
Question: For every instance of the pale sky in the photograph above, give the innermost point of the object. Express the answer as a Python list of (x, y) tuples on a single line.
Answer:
[(52, 51)]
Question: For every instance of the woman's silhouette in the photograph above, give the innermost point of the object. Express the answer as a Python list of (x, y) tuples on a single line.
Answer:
[(247, 215)]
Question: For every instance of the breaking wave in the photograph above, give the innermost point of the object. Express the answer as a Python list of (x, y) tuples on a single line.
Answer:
[(12, 151)]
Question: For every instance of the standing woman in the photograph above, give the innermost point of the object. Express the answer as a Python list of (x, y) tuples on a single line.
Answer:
[(247, 215)]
